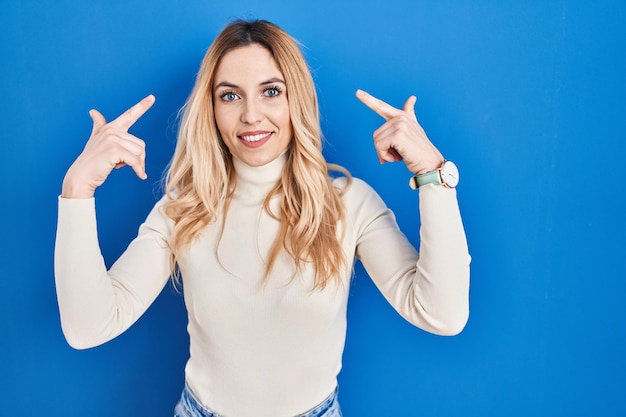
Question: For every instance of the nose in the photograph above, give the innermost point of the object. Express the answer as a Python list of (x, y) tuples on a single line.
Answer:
[(251, 112)]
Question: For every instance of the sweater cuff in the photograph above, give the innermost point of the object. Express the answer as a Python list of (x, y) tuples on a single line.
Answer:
[(76, 215)]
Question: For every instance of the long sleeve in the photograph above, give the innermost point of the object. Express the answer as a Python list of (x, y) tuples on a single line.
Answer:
[(429, 288), (97, 305)]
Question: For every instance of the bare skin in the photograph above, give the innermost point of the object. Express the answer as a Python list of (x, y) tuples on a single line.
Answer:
[(109, 146), (401, 138)]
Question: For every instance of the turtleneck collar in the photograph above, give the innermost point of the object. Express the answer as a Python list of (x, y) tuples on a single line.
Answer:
[(256, 182)]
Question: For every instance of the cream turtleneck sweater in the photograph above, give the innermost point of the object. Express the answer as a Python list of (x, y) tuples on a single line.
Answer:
[(257, 349)]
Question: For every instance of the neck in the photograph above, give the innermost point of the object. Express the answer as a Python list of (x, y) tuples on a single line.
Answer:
[(257, 182)]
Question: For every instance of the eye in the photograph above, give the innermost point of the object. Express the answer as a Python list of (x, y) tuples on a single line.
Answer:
[(272, 91), (229, 96)]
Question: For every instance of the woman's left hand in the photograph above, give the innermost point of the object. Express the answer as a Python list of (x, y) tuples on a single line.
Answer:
[(401, 137)]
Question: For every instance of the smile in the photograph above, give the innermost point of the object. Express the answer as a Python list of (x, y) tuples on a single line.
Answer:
[(256, 137)]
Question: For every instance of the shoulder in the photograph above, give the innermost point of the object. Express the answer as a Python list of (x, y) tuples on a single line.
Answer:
[(157, 218), (356, 192)]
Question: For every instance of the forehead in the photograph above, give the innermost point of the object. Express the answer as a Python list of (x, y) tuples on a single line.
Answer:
[(247, 64)]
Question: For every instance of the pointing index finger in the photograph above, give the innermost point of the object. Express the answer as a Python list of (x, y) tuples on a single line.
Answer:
[(378, 106), (130, 116)]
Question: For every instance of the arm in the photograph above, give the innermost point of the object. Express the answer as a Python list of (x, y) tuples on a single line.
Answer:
[(96, 305), (430, 289)]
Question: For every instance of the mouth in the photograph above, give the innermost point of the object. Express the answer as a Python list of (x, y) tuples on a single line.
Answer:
[(255, 137)]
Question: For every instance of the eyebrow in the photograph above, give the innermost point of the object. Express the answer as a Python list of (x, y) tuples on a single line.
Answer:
[(273, 80)]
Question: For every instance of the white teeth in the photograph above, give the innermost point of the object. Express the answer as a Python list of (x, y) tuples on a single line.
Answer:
[(255, 138)]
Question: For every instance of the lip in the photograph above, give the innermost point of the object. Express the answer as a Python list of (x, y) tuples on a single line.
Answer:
[(255, 139)]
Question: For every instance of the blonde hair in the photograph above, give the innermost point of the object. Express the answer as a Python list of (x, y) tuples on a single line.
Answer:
[(200, 180)]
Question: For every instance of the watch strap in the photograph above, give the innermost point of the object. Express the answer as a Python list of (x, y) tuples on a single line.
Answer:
[(432, 177)]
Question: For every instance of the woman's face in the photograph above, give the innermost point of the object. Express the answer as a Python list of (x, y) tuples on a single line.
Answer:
[(251, 108)]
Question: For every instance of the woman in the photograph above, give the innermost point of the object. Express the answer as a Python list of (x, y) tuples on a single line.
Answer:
[(262, 237)]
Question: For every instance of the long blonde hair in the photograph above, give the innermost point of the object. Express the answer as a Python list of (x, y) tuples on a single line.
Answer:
[(200, 180)]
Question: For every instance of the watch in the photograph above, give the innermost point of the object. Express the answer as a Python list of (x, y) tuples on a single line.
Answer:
[(447, 175)]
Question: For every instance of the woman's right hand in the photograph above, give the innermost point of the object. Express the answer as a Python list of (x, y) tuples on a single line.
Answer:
[(109, 146)]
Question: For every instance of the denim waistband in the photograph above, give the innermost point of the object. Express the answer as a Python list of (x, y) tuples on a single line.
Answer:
[(321, 409), (189, 406)]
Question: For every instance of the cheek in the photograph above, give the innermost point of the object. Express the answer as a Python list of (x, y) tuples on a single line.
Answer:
[(221, 120), (282, 117)]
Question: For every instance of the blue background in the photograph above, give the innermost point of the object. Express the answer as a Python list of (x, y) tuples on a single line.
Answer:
[(527, 98)]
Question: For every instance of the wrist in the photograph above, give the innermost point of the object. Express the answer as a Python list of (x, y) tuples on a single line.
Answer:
[(447, 175), (74, 189), (432, 164), (430, 168)]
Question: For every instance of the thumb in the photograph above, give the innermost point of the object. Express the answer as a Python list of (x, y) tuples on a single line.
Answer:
[(409, 105), (98, 120)]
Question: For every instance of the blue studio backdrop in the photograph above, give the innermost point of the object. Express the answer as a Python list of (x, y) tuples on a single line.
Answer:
[(526, 97)]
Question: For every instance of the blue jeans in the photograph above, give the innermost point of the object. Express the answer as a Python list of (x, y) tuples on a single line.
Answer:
[(189, 406)]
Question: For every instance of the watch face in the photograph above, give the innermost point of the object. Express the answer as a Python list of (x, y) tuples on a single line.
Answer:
[(450, 174)]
